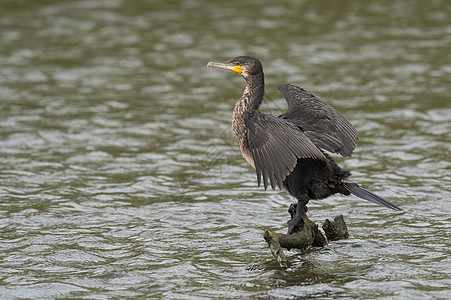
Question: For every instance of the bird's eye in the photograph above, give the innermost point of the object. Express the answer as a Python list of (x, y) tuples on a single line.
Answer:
[(237, 63)]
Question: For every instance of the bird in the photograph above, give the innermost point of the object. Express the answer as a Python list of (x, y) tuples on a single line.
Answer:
[(291, 151)]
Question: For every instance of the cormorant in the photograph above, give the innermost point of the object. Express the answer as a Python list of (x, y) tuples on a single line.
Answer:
[(289, 150)]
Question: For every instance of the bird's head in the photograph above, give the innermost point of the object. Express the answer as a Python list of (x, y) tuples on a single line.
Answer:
[(245, 65)]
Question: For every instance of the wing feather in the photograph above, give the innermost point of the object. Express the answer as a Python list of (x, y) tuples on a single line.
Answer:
[(276, 144), (324, 125)]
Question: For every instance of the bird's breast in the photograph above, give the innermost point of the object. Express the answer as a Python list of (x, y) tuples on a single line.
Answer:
[(240, 131), (248, 157)]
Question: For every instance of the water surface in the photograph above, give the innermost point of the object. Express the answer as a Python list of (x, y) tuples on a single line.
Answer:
[(119, 174)]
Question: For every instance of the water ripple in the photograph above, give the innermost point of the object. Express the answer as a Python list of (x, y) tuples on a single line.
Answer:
[(120, 177)]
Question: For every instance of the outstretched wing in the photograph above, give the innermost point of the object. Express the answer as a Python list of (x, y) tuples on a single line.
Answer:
[(276, 144), (324, 125)]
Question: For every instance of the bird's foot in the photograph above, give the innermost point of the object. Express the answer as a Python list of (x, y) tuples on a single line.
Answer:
[(295, 224), (297, 211)]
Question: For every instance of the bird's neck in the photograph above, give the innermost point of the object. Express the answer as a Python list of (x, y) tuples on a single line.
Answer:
[(252, 96), (253, 93), (250, 100)]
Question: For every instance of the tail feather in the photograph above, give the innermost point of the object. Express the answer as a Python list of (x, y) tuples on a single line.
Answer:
[(358, 191)]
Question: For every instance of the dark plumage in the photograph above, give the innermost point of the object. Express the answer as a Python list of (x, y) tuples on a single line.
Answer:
[(288, 151)]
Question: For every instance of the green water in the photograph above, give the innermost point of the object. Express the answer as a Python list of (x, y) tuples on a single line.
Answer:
[(119, 177)]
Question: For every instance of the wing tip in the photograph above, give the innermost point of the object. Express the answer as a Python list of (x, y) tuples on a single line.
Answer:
[(283, 86)]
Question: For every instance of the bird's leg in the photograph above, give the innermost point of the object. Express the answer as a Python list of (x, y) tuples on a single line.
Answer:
[(296, 220)]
